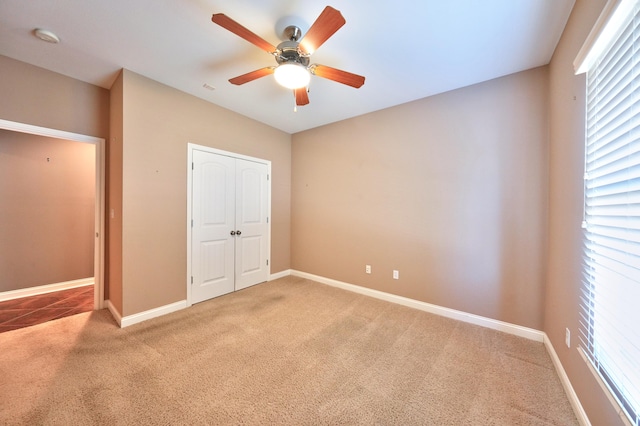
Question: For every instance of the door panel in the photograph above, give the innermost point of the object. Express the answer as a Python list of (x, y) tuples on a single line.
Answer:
[(214, 261), (251, 219), (213, 200), (250, 252)]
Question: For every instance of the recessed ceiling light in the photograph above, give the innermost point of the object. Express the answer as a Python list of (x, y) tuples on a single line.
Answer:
[(208, 87), (46, 35)]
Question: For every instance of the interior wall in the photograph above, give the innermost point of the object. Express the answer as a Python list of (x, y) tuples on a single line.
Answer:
[(39, 97), (113, 223), (47, 210), (566, 170), (450, 190), (158, 123)]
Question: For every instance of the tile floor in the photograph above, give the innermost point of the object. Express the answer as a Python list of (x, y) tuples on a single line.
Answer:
[(32, 310)]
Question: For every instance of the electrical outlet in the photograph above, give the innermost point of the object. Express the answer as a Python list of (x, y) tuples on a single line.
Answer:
[(567, 337), (367, 269), (396, 275)]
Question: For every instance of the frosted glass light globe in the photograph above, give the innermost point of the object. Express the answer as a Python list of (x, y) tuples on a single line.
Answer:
[(292, 76)]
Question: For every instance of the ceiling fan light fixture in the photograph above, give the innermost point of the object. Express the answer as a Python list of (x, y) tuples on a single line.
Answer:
[(292, 76)]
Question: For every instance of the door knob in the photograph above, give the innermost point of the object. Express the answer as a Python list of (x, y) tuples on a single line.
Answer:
[(238, 232), (233, 233)]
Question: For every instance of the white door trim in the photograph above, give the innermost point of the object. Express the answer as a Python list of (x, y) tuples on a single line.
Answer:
[(190, 148), (99, 143)]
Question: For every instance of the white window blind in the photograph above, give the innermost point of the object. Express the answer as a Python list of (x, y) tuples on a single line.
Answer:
[(610, 304)]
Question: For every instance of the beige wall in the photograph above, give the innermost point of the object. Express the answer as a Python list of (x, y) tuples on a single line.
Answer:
[(43, 98), (450, 190), (113, 223), (47, 210), (453, 190), (158, 122), (566, 169)]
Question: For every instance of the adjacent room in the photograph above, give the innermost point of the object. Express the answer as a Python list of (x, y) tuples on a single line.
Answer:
[(48, 214), (417, 232)]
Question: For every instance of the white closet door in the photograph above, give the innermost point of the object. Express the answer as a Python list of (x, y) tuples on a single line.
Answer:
[(230, 224), (213, 215), (251, 223)]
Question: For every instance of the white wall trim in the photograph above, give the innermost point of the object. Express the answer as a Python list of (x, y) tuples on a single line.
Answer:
[(44, 289), (566, 384), (280, 274), (528, 333), (514, 329), (151, 313), (99, 143), (44, 131), (114, 312)]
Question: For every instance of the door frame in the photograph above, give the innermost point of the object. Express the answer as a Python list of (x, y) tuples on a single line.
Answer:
[(99, 144), (192, 147)]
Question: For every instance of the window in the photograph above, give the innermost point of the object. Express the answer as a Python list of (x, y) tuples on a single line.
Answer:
[(610, 304)]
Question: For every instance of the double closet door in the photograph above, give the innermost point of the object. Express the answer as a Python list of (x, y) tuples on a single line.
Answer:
[(229, 224)]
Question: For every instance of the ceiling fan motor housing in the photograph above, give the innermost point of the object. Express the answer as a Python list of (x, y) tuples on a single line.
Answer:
[(288, 53)]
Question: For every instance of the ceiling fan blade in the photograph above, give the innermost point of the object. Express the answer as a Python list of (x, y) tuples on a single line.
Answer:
[(302, 97), (250, 76), (344, 77), (329, 21), (227, 23)]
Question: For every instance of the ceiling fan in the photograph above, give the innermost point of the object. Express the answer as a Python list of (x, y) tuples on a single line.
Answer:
[(293, 55)]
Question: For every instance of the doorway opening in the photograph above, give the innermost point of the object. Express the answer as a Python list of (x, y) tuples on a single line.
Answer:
[(91, 223)]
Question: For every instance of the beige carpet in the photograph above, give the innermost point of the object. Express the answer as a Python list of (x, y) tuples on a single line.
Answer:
[(290, 351)]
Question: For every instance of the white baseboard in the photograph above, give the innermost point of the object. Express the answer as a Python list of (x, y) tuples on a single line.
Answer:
[(164, 310), (517, 330), (151, 313), (581, 415), (280, 274), (528, 333), (114, 312), (44, 289), (143, 316), (514, 329)]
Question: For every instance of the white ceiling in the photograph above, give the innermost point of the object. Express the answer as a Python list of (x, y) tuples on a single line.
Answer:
[(406, 49)]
